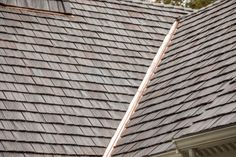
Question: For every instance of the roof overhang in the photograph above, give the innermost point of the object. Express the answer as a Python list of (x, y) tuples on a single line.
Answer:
[(173, 153), (219, 141), (219, 136)]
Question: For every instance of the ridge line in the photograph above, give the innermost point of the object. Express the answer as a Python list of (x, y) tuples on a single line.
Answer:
[(134, 103)]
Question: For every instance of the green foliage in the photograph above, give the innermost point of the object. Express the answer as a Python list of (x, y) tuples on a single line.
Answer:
[(195, 4), (172, 2)]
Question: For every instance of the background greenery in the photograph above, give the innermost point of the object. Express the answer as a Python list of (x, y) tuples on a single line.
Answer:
[(195, 4)]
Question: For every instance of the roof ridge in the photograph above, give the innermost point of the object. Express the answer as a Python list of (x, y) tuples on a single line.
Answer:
[(174, 6), (136, 99), (151, 4)]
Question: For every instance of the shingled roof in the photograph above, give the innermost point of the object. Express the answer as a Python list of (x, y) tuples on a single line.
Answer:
[(192, 90), (67, 80)]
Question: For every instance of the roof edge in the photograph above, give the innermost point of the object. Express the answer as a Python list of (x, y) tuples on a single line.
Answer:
[(134, 103), (153, 5), (210, 138), (225, 134), (171, 153)]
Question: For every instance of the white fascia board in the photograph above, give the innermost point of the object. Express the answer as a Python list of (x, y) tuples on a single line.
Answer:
[(223, 135), (173, 153), (214, 137)]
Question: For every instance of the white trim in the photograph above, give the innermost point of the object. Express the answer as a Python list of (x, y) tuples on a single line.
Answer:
[(173, 153), (133, 105), (203, 140), (227, 134)]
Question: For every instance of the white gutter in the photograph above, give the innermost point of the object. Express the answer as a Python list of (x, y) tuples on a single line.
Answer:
[(223, 135), (172, 153), (133, 105), (187, 145)]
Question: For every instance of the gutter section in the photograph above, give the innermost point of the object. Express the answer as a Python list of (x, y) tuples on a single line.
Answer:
[(173, 153), (187, 146), (134, 103), (224, 135)]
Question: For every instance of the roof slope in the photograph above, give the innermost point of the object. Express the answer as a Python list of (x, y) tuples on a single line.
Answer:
[(66, 81), (193, 89)]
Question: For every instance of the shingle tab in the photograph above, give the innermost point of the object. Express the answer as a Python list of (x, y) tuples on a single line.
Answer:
[(192, 90)]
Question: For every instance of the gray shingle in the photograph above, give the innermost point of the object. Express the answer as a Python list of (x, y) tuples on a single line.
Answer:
[(191, 90), (66, 81)]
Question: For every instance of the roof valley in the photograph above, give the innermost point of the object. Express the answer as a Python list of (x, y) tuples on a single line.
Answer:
[(134, 103)]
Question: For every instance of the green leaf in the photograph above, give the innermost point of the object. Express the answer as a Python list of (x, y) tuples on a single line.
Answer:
[(195, 4)]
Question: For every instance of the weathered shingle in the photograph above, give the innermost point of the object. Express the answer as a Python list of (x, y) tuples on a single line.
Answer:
[(66, 81), (192, 90)]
